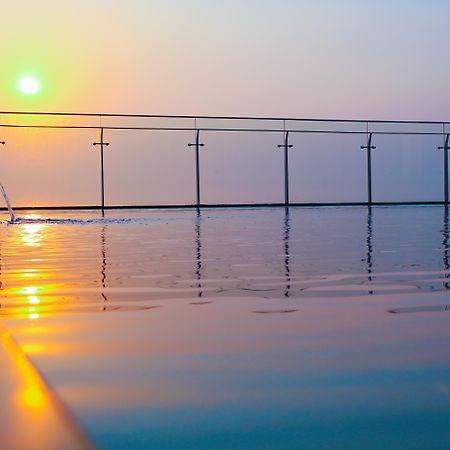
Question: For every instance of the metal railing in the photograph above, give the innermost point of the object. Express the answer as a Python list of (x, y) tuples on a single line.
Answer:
[(284, 126)]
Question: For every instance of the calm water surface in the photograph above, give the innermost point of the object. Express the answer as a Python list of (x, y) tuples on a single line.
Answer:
[(239, 329)]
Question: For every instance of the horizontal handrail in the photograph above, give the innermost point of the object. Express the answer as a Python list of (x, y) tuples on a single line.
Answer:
[(169, 116), (241, 130)]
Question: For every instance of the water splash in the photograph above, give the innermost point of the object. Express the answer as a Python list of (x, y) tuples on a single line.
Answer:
[(11, 212), (43, 220), (98, 221)]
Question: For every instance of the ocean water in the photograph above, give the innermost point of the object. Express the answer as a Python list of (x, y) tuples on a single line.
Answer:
[(238, 329)]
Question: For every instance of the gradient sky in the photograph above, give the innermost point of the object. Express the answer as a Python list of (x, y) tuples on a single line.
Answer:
[(353, 59)]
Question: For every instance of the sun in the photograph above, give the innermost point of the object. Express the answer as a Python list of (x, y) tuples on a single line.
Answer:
[(28, 85)]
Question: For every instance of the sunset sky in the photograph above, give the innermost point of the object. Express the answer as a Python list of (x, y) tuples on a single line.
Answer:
[(346, 59)]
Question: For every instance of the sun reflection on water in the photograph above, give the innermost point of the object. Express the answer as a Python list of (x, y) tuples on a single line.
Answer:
[(32, 393), (33, 300), (32, 234), (32, 397), (39, 420), (29, 273), (29, 290)]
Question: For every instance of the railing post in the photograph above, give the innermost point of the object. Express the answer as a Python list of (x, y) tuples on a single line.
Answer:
[(446, 169), (102, 143), (197, 146), (286, 146), (445, 146), (369, 147), (369, 170)]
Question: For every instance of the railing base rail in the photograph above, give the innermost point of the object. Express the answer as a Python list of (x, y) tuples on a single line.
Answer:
[(226, 205)]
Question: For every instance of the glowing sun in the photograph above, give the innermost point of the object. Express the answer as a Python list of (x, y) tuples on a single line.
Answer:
[(28, 85)]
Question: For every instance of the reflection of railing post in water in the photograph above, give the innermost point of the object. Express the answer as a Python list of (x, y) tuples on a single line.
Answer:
[(445, 247), (1, 260), (286, 146), (2, 143), (369, 247), (197, 146), (102, 143), (198, 243), (369, 147), (445, 146), (287, 257), (103, 266)]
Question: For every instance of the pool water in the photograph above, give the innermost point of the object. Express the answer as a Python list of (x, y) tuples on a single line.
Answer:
[(239, 328)]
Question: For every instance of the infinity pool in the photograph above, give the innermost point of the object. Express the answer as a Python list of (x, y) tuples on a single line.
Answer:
[(233, 329)]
